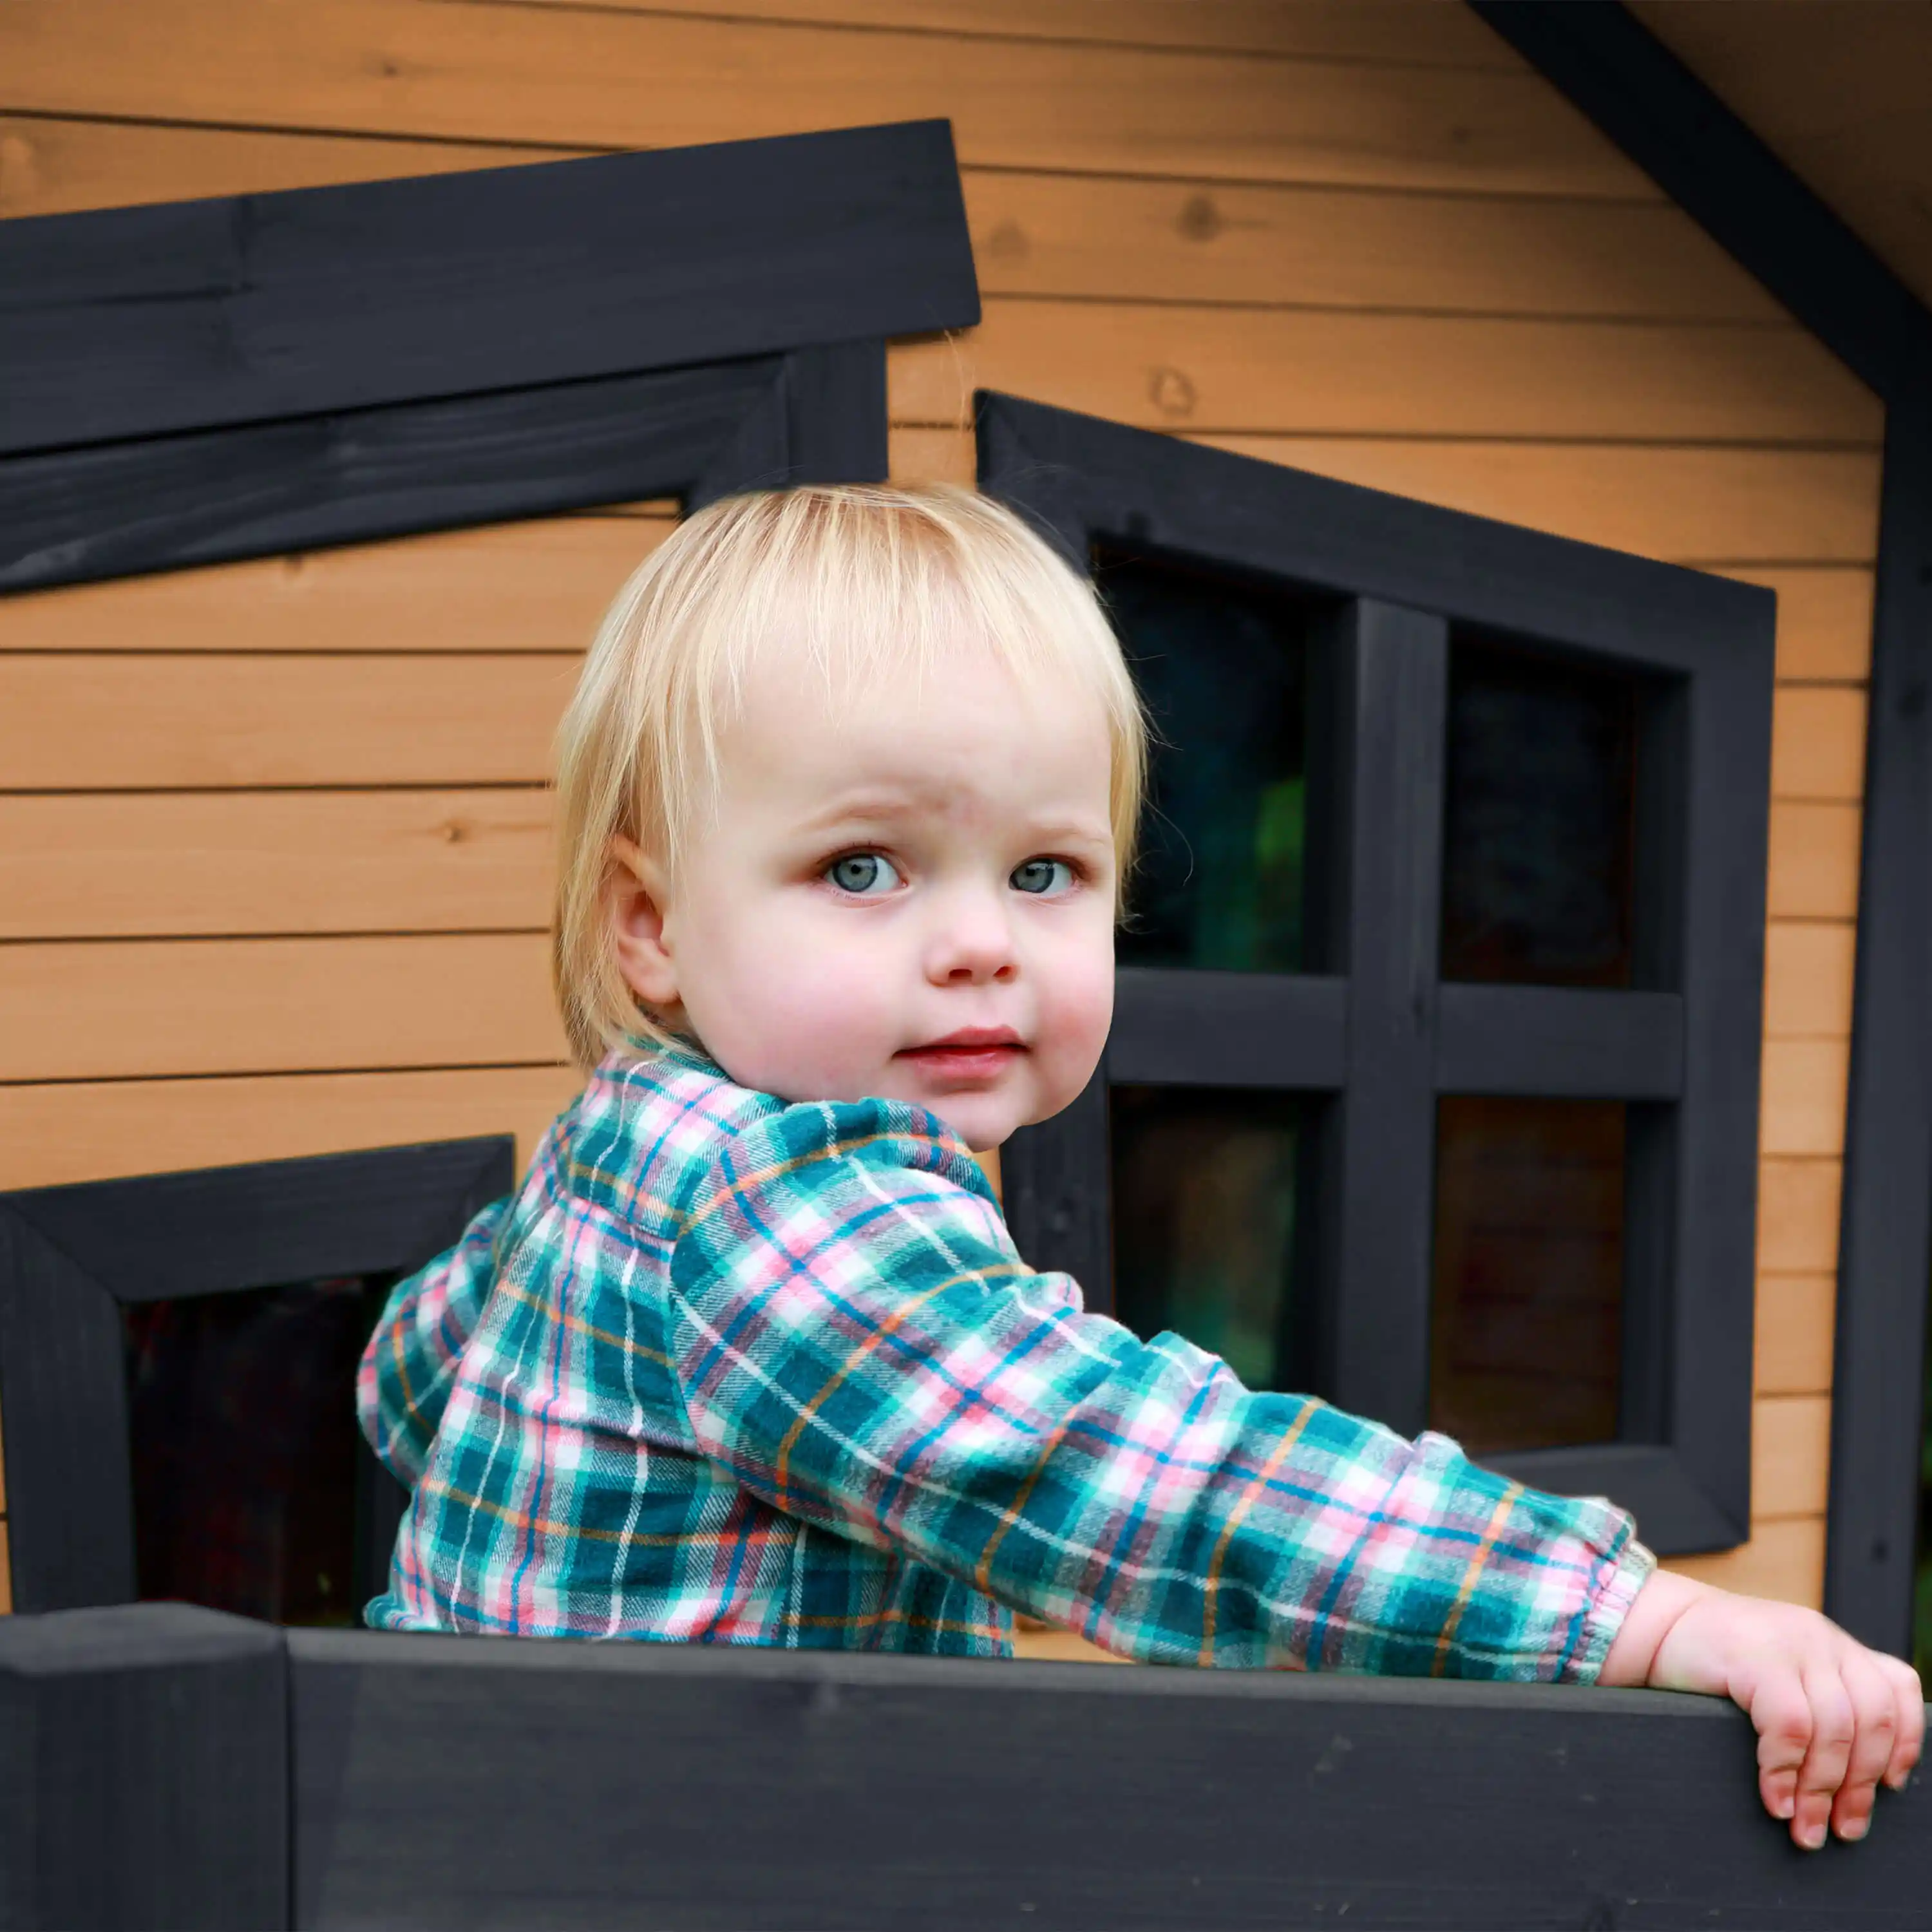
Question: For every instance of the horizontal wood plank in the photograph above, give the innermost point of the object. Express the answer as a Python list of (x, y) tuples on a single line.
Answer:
[(1791, 1455), (1793, 1334), (1798, 1215), (541, 586), (1785, 1560), (119, 1007), (1408, 31), (1808, 979), (1106, 238), (111, 866), (927, 455), (1824, 621), (597, 79), (1173, 366), (72, 722), (1088, 236), (1047, 1644), (1804, 1085), (92, 1130), (49, 165), (1814, 859), (1818, 742), (1694, 504), (1697, 505), (97, 1130)]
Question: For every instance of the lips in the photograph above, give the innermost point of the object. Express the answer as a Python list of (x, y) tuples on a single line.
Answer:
[(968, 1037), (970, 1056)]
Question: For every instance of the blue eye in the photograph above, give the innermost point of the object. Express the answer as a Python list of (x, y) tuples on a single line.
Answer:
[(868, 875), (1042, 876)]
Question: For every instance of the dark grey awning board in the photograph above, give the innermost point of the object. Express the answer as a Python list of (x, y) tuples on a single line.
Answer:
[(252, 308)]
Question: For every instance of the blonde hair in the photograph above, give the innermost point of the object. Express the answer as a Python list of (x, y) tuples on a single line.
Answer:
[(856, 576)]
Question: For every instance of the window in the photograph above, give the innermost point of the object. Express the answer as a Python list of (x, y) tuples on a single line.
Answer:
[(178, 1360), (253, 1490), (1433, 1087)]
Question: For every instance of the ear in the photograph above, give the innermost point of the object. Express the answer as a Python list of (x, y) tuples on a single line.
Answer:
[(635, 897)]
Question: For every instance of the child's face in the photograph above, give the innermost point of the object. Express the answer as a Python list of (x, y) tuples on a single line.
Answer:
[(908, 892)]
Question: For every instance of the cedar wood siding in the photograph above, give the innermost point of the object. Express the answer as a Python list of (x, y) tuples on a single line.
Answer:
[(273, 851)]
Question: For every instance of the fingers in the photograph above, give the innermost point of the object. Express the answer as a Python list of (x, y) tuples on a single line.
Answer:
[(1828, 1733), (1874, 1701), (1782, 1714), (1834, 1725), (1908, 1737)]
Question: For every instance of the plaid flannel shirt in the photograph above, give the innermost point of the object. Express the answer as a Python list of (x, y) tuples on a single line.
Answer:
[(729, 1370)]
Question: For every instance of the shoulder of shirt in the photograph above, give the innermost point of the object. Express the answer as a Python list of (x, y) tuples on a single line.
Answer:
[(647, 1126), (655, 1134)]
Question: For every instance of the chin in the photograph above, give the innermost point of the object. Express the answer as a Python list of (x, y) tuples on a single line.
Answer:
[(982, 1128)]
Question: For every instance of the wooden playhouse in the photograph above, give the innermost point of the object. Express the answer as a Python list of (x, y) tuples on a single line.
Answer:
[(1500, 999)]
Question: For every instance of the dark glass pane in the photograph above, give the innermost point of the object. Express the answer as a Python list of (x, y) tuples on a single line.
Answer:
[(241, 1423), (1221, 666), (1526, 1331), (1537, 841), (1204, 1221)]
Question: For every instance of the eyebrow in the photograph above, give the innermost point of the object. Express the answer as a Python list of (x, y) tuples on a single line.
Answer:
[(865, 807), (885, 807)]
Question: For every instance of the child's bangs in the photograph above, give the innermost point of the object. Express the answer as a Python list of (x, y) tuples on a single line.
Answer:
[(861, 591)]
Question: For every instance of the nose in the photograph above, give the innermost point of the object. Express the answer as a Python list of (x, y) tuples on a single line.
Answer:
[(970, 943)]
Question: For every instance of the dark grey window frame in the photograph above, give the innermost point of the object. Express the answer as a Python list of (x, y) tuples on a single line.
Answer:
[(1375, 1030), (72, 1258)]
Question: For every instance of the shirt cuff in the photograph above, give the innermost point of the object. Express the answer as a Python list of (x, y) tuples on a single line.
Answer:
[(1622, 1574)]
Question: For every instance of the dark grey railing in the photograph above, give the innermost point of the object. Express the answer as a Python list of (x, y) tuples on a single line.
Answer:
[(162, 1766)]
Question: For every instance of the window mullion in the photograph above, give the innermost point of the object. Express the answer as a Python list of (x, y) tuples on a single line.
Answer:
[(1058, 1195), (1390, 684)]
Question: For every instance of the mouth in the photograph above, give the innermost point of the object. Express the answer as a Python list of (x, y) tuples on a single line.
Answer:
[(972, 1056)]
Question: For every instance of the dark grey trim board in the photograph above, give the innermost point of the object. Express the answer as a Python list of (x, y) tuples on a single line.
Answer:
[(216, 496), (166, 1766), (1557, 1041), (1392, 679), (1228, 1029), (1055, 1190), (1076, 476), (862, 1791), (144, 1771), (1664, 119), (1608, 64), (1885, 1267), (70, 1257), (190, 315), (1374, 1032)]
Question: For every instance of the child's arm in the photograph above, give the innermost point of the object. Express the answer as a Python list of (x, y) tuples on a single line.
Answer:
[(1832, 1716), (855, 1340), (407, 1368)]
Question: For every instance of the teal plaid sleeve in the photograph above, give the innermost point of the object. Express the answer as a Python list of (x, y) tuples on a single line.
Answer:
[(857, 1343), (409, 1367)]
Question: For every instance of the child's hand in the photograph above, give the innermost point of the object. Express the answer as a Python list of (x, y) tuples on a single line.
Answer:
[(1832, 1716)]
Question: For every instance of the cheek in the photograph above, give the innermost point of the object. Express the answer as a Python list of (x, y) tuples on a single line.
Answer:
[(1074, 986), (784, 1007)]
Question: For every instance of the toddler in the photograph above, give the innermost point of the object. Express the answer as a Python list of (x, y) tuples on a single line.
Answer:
[(847, 794)]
